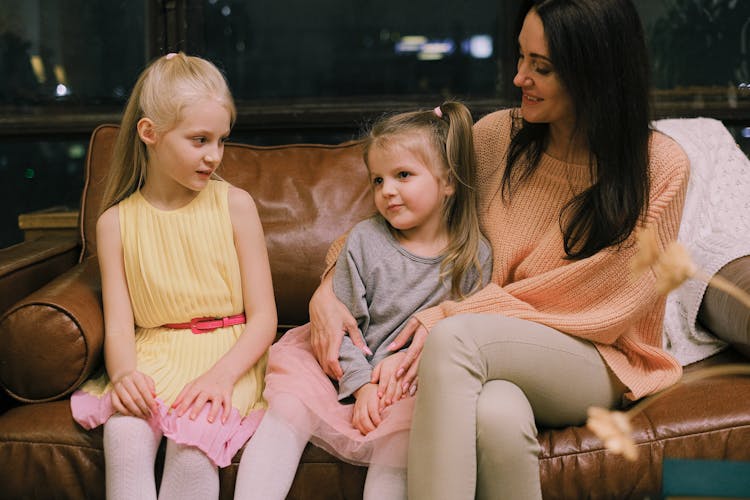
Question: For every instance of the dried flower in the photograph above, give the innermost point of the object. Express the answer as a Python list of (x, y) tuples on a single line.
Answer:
[(613, 427), (672, 268)]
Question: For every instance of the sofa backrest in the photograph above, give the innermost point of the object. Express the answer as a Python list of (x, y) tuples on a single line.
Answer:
[(307, 195)]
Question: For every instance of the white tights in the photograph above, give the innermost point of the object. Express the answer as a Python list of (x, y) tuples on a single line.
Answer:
[(270, 460), (130, 447)]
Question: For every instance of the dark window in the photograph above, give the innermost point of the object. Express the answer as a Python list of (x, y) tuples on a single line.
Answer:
[(334, 49), (56, 54)]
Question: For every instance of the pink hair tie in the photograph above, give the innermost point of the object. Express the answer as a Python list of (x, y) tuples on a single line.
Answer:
[(171, 55), (438, 112)]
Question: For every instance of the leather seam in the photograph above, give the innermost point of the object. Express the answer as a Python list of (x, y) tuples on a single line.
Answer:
[(648, 443)]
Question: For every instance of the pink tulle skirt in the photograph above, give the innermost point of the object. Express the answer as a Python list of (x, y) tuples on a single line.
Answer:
[(293, 371), (219, 441)]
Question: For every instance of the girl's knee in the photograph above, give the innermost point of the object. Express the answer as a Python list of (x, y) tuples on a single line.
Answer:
[(286, 404), (130, 439), (290, 410), (187, 458), (130, 428)]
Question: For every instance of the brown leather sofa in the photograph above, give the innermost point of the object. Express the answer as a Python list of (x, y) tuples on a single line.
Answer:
[(51, 336)]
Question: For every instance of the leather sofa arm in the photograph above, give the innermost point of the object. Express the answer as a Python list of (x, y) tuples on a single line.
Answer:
[(27, 266), (724, 315), (51, 341)]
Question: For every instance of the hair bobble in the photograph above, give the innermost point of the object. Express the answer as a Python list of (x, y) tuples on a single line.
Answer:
[(170, 55), (438, 112)]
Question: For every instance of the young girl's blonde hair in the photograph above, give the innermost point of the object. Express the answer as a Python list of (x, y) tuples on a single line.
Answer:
[(162, 90), (448, 130)]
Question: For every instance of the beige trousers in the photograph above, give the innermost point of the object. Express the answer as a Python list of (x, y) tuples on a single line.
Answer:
[(485, 382)]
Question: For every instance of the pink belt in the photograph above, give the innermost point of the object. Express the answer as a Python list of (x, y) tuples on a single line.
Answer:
[(205, 325)]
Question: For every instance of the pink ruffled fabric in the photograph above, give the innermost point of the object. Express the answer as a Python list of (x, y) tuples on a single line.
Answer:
[(293, 370), (219, 441)]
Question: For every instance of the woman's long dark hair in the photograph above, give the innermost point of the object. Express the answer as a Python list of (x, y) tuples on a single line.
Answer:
[(599, 53)]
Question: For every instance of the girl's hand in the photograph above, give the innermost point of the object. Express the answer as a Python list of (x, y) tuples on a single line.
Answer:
[(366, 415), (213, 387), (133, 395), (389, 387), (407, 370), (330, 320)]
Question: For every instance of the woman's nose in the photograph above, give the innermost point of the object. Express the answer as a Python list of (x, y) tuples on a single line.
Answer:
[(521, 79)]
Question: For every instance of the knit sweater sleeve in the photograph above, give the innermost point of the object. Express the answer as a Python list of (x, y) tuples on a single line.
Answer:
[(597, 298), (332, 254)]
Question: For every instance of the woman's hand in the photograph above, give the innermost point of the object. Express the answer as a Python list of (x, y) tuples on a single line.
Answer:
[(214, 387), (390, 388), (330, 320), (133, 395), (366, 414), (407, 370)]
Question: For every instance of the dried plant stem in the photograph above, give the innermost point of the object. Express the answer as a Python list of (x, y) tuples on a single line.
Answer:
[(725, 285), (708, 372)]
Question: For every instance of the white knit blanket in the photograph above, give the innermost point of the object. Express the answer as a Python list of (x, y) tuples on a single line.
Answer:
[(715, 225)]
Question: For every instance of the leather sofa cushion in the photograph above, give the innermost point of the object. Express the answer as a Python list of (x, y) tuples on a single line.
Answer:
[(52, 339)]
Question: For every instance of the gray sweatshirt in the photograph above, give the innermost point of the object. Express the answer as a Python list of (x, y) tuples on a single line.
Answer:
[(383, 285)]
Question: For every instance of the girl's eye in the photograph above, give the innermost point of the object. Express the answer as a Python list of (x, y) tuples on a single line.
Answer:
[(199, 140), (224, 139), (377, 180), (403, 175)]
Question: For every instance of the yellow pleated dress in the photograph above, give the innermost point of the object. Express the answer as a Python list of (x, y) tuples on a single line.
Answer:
[(182, 264)]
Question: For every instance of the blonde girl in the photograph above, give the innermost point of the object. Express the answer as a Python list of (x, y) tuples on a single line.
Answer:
[(185, 334), (423, 246)]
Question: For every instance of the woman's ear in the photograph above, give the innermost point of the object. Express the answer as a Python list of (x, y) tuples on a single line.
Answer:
[(146, 131)]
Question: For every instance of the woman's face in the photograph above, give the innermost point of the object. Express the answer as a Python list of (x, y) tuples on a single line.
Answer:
[(544, 100)]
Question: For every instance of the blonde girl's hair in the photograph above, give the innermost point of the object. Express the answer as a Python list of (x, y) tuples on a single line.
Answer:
[(162, 90), (448, 130)]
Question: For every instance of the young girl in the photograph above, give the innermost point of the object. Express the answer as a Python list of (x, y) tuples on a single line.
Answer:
[(422, 247), (186, 333)]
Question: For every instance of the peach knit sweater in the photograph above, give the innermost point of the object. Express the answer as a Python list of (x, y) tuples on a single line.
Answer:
[(597, 298)]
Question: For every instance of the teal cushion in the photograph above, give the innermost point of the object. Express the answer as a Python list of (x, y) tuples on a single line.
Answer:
[(705, 478)]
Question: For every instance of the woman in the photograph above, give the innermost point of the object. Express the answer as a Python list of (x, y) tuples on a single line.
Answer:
[(564, 183)]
